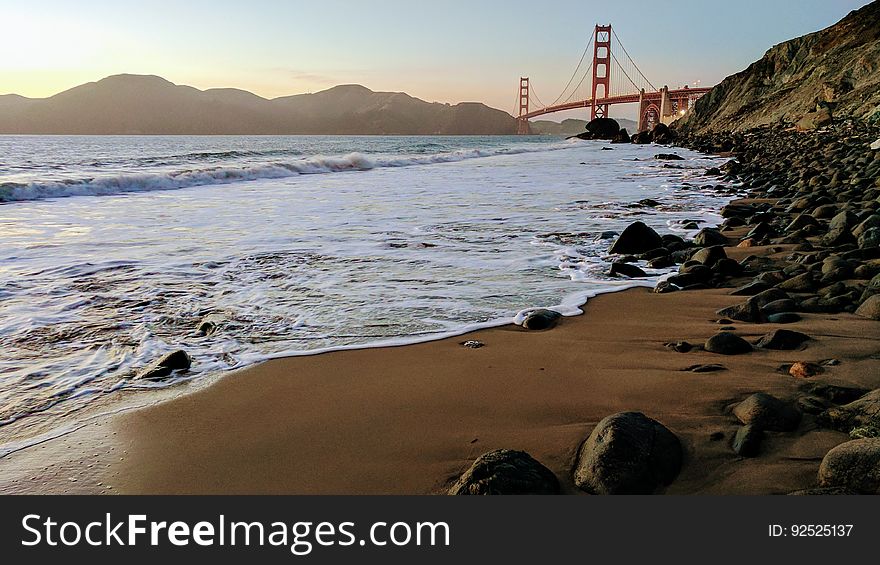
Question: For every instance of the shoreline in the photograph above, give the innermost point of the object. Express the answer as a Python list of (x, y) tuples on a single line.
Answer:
[(412, 418)]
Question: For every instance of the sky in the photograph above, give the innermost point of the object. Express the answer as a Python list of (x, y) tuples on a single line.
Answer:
[(451, 51)]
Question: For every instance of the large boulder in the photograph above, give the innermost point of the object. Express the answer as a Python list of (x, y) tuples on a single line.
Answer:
[(628, 453), (854, 465), (636, 238), (505, 471), (768, 413), (603, 128)]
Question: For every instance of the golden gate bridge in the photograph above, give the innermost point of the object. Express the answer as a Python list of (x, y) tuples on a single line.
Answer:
[(630, 86)]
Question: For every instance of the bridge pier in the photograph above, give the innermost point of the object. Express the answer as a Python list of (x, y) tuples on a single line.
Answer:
[(601, 70), (522, 122)]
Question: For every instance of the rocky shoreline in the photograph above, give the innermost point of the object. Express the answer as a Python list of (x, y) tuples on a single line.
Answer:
[(812, 216)]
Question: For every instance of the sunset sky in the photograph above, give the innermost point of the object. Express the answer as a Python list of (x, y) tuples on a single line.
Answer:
[(442, 51)]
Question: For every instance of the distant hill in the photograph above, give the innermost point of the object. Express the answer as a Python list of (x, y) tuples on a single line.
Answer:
[(572, 126), (145, 104), (837, 67)]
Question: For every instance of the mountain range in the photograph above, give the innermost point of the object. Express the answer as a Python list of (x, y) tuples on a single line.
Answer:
[(146, 104)]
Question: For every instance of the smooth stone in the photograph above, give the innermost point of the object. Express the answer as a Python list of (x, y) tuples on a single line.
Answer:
[(541, 320), (767, 412), (784, 318), (870, 308), (505, 471), (626, 270), (747, 441), (726, 343), (628, 453), (782, 340)]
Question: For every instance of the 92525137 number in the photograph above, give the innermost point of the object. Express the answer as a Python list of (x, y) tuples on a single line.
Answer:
[(821, 530)]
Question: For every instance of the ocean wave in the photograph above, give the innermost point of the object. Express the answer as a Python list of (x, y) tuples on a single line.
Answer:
[(170, 180)]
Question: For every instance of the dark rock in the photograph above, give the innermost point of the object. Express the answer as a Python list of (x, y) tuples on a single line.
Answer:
[(636, 238), (709, 237), (800, 222), (628, 453), (680, 346), (505, 471), (621, 137), (784, 318), (747, 441), (626, 270), (853, 465), (662, 134), (751, 289), (779, 306), (541, 319), (768, 413), (801, 283), (663, 262), (175, 361), (726, 343), (870, 238), (710, 368), (727, 268), (782, 340), (603, 128), (840, 229), (206, 328), (710, 255), (668, 157)]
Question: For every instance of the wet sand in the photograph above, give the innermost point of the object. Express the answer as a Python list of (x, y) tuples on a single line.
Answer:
[(409, 419)]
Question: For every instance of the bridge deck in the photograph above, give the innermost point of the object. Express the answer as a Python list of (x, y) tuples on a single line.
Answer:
[(624, 99)]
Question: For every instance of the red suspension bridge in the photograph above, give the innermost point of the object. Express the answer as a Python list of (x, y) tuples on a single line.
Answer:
[(629, 86)]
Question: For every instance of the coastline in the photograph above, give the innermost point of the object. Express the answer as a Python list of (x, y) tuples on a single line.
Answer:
[(410, 419), (405, 419)]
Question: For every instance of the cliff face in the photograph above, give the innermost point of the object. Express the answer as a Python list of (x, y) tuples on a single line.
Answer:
[(836, 69), (137, 104)]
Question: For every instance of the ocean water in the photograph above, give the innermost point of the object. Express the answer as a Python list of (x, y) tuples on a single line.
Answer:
[(114, 249)]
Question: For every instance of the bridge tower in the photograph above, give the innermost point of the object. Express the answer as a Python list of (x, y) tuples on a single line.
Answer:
[(601, 70), (522, 124)]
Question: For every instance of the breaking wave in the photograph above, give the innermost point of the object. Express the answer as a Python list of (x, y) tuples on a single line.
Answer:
[(170, 180)]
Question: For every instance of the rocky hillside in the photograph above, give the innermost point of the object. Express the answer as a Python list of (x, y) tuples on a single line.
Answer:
[(833, 72), (139, 104)]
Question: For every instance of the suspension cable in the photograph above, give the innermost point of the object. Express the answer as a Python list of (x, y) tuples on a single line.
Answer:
[(632, 61), (574, 74)]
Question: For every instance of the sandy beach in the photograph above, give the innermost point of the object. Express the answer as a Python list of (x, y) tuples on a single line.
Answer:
[(410, 419)]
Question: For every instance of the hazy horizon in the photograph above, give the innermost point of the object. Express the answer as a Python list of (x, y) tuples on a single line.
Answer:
[(468, 53)]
